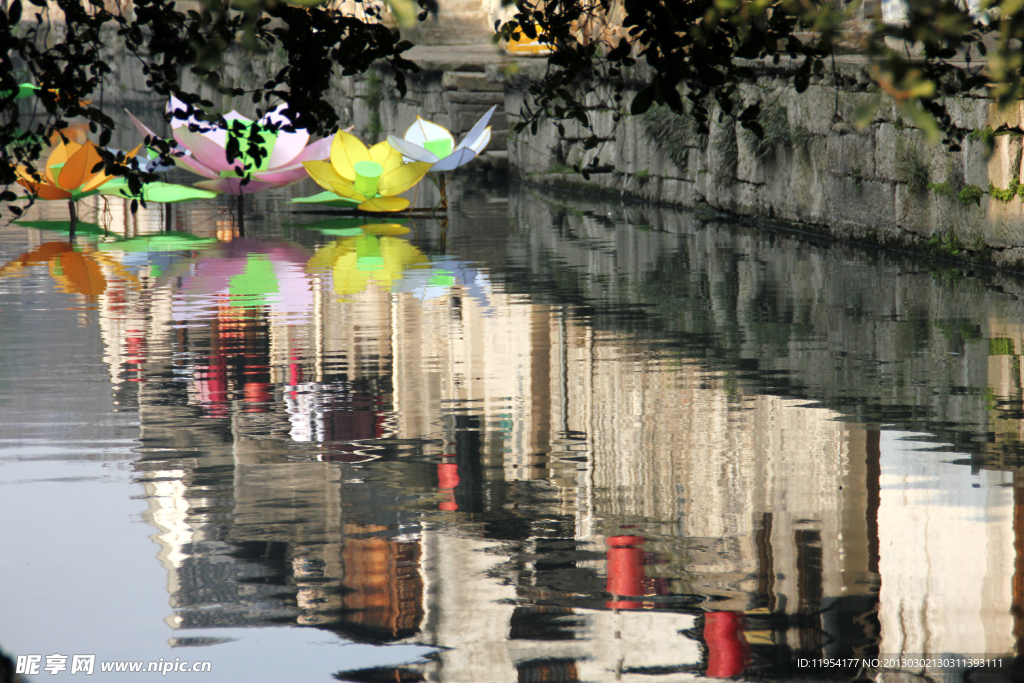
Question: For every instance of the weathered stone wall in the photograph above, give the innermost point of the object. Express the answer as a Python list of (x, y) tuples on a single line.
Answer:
[(453, 99), (815, 166)]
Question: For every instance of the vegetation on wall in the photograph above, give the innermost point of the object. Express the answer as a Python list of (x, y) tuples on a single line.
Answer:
[(695, 55), (676, 133), (910, 166), (775, 132)]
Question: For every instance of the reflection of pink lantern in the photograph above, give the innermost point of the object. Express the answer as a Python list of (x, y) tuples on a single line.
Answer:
[(728, 650), (447, 480), (625, 570), (211, 382)]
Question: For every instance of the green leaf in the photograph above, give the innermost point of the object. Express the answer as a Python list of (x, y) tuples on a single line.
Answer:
[(326, 197), (159, 192)]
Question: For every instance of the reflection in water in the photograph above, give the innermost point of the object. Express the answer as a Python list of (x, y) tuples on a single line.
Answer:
[(577, 451)]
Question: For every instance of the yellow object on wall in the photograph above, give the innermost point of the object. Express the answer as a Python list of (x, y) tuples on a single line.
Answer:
[(521, 44)]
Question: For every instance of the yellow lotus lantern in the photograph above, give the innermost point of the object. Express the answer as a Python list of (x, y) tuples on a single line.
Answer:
[(369, 178)]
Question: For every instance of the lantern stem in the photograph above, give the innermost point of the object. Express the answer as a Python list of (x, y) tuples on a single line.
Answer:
[(442, 186), (74, 221), (241, 215)]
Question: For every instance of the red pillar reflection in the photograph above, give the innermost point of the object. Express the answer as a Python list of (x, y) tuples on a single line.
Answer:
[(447, 480), (625, 570), (257, 395), (294, 372), (728, 650), (135, 348)]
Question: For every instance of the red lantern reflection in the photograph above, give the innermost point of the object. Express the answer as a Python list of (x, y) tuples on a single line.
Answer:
[(728, 650), (625, 570), (447, 480)]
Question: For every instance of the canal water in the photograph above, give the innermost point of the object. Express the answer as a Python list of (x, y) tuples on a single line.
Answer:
[(539, 438)]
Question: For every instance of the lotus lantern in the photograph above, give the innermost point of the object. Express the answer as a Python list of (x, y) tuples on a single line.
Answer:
[(201, 148), (368, 177), (428, 142)]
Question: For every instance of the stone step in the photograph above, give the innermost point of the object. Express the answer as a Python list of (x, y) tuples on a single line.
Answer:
[(453, 6), (451, 28), (470, 82), (470, 97)]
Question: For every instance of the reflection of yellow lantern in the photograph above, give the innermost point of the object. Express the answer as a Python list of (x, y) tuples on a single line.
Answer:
[(374, 256)]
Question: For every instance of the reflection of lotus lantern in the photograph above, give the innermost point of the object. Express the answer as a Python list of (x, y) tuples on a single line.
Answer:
[(247, 274), (374, 256), (76, 272)]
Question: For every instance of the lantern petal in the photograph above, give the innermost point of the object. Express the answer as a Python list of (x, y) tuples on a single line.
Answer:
[(79, 167), (59, 157), (204, 150), (189, 163), (346, 188), (412, 150), (423, 130), (387, 156), (44, 190), (379, 204), (287, 147), (102, 176), (143, 128), (320, 150), (282, 176), (347, 151), (323, 173), (480, 143), (462, 155), (478, 130), (402, 178)]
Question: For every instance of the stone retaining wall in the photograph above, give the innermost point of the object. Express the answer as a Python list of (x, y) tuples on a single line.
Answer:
[(882, 182)]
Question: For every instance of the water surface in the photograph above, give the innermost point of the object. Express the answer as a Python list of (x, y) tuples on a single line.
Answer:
[(543, 439)]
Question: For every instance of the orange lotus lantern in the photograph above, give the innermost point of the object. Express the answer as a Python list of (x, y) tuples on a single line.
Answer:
[(73, 171)]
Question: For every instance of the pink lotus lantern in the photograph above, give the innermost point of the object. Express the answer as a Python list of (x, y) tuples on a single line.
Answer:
[(202, 148)]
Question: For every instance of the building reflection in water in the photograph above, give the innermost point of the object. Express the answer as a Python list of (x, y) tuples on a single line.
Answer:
[(459, 465)]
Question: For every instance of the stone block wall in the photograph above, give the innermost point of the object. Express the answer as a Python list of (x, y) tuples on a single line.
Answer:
[(453, 99), (816, 167)]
